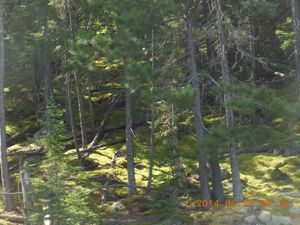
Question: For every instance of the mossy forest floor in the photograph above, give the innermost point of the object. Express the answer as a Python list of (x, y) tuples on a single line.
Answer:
[(168, 203)]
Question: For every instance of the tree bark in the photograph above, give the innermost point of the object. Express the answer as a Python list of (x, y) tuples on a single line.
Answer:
[(296, 22), (129, 137), (211, 55), (5, 175), (81, 109), (237, 186), (91, 108), (70, 107), (218, 191), (25, 183), (252, 31), (203, 175), (71, 116), (78, 84), (46, 61), (152, 134), (35, 88)]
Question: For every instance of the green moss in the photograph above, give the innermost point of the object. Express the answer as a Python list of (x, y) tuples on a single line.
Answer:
[(258, 172)]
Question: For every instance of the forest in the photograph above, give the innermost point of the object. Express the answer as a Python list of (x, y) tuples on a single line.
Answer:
[(141, 112)]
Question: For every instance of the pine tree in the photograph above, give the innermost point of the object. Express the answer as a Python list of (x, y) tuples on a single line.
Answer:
[(5, 175), (62, 204)]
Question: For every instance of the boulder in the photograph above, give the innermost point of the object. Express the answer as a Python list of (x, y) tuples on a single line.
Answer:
[(265, 216), (280, 220), (117, 207), (278, 175), (294, 210), (256, 206), (276, 152), (244, 210), (251, 220)]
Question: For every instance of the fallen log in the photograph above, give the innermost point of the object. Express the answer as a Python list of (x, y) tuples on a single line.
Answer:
[(12, 218), (21, 136), (95, 147), (28, 151), (41, 151)]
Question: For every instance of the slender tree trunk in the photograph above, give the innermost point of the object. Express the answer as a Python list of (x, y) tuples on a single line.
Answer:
[(70, 107), (129, 137), (5, 175), (252, 32), (71, 116), (211, 55), (91, 108), (237, 186), (78, 84), (203, 176), (296, 21), (67, 113), (35, 88), (46, 62), (25, 184), (152, 135), (81, 109), (218, 191)]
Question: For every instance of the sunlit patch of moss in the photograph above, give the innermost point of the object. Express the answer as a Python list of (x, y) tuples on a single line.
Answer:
[(5, 222), (256, 171), (212, 119)]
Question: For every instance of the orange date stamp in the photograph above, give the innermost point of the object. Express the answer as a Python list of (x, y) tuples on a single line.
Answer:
[(214, 203), (246, 203)]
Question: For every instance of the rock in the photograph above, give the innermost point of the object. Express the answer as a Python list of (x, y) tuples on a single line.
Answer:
[(256, 206), (280, 220), (278, 175), (294, 210), (264, 216), (250, 220), (276, 152), (117, 207), (290, 152), (244, 210)]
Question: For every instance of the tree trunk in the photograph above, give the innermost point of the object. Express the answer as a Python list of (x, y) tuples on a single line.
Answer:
[(35, 88), (91, 108), (71, 116), (253, 50), (296, 21), (70, 107), (218, 191), (5, 176), (152, 135), (78, 84), (203, 175), (237, 186), (25, 183), (81, 109), (211, 55), (129, 137), (46, 62)]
